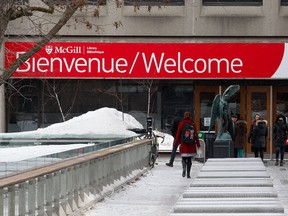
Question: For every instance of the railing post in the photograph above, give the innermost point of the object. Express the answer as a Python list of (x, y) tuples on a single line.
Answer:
[(76, 184), (81, 183), (31, 197), (11, 200), (69, 188), (48, 194), (22, 199), (63, 191), (40, 195), (1, 202), (56, 192), (92, 178), (86, 175)]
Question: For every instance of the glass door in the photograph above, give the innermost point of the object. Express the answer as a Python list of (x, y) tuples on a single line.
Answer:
[(280, 104), (204, 96), (258, 101)]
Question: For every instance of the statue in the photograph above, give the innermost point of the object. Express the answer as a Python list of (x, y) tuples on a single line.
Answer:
[(220, 111)]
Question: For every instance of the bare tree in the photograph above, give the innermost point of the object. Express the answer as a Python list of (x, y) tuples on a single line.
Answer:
[(117, 95), (10, 11), (149, 85), (52, 91)]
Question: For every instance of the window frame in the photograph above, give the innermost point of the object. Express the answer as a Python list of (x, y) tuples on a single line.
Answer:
[(232, 3), (154, 2), (284, 2)]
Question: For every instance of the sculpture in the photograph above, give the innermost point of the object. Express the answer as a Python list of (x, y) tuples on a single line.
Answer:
[(220, 111)]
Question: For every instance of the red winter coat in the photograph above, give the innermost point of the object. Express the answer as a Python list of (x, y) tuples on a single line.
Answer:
[(186, 148)]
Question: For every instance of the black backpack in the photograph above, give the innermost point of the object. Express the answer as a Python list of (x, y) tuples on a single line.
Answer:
[(188, 134)]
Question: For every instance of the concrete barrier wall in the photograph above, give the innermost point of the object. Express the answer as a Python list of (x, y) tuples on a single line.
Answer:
[(62, 188)]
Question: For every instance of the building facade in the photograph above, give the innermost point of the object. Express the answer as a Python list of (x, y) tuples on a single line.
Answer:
[(154, 56)]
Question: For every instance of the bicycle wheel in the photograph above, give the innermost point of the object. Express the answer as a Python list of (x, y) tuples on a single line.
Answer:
[(152, 159)]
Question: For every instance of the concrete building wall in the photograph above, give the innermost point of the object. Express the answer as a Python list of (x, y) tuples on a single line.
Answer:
[(191, 20)]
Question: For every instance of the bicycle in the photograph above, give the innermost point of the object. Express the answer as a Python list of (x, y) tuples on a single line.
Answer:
[(154, 151)]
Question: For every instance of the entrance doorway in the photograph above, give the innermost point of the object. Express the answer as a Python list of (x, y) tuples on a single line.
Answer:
[(204, 97), (258, 102), (248, 101)]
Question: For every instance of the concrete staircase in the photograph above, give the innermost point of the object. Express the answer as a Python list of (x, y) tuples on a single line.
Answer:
[(230, 187)]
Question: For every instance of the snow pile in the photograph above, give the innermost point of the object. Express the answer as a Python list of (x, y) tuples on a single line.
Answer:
[(101, 123), (98, 124)]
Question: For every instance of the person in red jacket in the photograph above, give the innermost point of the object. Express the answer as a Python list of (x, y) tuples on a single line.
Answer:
[(187, 151)]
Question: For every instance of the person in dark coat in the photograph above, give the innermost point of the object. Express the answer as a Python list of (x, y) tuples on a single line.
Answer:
[(253, 124), (240, 136), (231, 130), (187, 151), (259, 135), (176, 121), (279, 136)]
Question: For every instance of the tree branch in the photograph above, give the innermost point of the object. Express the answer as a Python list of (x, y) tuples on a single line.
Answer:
[(28, 11), (68, 13)]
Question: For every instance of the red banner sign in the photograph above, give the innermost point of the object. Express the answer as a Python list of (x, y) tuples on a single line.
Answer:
[(151, 60)]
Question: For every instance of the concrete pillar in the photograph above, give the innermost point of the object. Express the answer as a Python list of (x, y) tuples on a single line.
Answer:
[(2, 110), (2, 94)]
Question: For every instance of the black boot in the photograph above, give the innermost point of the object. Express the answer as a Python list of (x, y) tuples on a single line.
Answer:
[(189, 164), (277, 162), (184, 167)]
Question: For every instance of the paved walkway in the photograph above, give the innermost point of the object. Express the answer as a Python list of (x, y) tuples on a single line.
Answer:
[(159, 191), (279, 176)]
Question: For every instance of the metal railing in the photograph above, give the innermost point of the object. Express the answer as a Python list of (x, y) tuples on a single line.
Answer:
[(63, 187), (12, 168)]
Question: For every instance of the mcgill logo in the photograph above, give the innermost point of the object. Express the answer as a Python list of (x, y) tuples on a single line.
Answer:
[(49, 49), (61, 49)]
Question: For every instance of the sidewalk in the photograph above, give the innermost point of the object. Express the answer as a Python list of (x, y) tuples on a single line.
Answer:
[(157, 192), (279, 176)]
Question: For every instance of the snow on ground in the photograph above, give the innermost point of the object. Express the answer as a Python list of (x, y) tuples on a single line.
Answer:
[(104, 122)]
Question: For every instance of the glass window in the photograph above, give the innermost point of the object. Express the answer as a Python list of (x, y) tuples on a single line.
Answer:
[(282, 104), (234, 104), (96, 2), (232, 2), (206, 99), (284, 2), (258, 103), (175, 99), (154, 2)]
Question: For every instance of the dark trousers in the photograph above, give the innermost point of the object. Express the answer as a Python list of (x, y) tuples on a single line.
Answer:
[(235, 153), (257, 151), (280, 150), (186, 165), (173, 153)]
